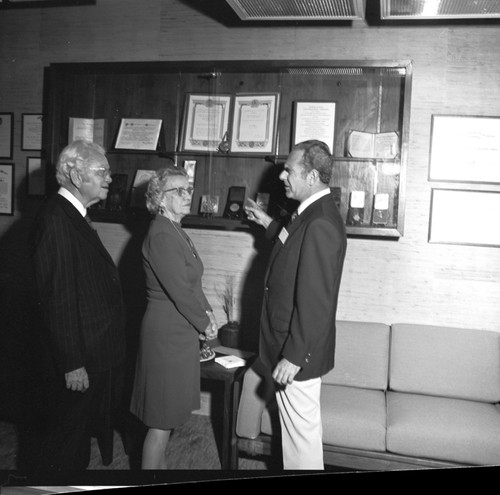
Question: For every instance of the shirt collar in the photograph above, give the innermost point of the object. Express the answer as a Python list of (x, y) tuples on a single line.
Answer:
[(73, 200), (311, 199)]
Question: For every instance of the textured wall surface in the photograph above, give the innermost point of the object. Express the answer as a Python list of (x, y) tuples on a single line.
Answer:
[(456, 70)]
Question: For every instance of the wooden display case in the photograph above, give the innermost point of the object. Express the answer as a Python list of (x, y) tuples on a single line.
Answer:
[(372, 102)]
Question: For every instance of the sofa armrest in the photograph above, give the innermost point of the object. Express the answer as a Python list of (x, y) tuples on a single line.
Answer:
[(256, 393)]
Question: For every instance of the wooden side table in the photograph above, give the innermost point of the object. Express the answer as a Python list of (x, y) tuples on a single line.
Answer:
[(232, 379)]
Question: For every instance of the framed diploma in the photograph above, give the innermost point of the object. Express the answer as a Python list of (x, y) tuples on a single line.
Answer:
[(6, 125), (35, 176), (314, 120), (31, 132), (464, 217), (6, 188), (254, 123), (206, 120), (138, 134), (465, 149)]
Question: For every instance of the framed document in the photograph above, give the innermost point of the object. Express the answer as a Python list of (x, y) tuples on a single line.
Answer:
[(206, 119), (6, 141), (35, 176), (465, 149), (138, 134), (314, 120), (6, 188), (464, 217), (139, 188), (254, 123), (31, 136)]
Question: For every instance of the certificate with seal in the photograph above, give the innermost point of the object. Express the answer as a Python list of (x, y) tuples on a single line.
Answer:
[(138, 134), (206, 118), (254, 123)]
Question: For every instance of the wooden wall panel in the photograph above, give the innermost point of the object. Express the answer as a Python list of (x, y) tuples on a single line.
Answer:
[(456, 69)]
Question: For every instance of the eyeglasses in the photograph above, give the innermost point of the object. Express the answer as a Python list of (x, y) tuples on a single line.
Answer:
[(181, 190), (101, 171)]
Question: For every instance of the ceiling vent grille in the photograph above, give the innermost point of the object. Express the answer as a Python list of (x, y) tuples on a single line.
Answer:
[(343, 71), (293, 10), (439, 9)]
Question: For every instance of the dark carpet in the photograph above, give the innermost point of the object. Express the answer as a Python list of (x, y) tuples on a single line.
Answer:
[(192, 446)]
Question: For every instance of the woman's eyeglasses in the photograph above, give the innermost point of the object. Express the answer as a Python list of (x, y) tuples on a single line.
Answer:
[(181, 190)]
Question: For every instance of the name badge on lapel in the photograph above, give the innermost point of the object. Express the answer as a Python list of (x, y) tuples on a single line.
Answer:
[(283, 235)]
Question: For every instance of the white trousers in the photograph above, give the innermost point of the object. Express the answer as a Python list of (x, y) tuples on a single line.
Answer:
[(301, 427)]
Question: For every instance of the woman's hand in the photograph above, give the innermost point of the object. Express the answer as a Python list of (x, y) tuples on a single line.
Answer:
[(212, 329)]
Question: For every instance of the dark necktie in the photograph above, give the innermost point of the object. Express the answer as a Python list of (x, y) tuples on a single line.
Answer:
[(295, 214)]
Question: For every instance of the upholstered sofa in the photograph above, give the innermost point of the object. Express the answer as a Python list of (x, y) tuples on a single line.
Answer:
[(401, 396)]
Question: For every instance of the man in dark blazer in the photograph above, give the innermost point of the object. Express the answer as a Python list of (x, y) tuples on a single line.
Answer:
[(297, 335), (80, 301)]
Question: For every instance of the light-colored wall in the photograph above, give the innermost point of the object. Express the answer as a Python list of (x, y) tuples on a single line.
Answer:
[(456, 71)]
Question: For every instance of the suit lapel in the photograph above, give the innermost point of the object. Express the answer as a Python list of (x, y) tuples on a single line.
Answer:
[(294, 227), (83, 227)]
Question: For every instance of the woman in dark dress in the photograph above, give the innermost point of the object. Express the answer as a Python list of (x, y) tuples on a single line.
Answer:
[(167, 379)]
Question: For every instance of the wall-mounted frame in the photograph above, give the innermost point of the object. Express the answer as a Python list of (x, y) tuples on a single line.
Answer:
[(465, 149), (31, 132), (254, 123), (35, 176), (206, 120), (6, 140), (139, 188), (314, 120), (459, 216), (6, 188)]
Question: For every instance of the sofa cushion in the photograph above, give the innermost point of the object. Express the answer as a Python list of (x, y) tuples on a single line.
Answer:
[(445, 361), (352, 418), (440, 428), (361, 355)]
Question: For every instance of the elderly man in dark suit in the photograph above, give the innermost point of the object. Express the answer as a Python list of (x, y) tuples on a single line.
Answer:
[(80, 300), (297, 337)]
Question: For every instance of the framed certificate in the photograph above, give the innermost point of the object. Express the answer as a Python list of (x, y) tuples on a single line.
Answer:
[(35, 176), (314, 120), (465, 149), (206, 120), (464, 217), (138, 134), (254, 123), (31, 135), (6, 188), (6, 125)]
